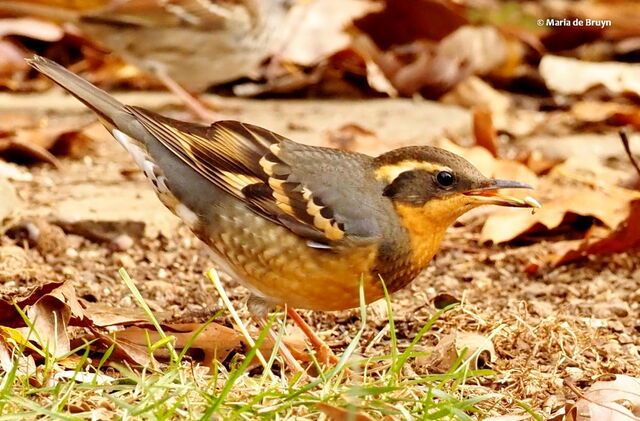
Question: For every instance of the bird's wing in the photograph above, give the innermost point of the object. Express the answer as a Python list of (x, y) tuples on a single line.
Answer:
[(317, 193)]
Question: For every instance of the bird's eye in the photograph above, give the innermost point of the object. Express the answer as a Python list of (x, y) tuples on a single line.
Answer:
[(445, 179)]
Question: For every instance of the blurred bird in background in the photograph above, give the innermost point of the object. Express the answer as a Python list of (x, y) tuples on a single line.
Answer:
[(188, 45)]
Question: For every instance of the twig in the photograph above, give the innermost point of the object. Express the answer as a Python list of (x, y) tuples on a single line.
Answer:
[(625, 143)]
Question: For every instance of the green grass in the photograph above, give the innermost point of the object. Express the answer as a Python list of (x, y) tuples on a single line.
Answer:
[(379, 386)]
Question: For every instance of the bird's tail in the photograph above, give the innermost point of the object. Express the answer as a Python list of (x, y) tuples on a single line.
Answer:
[(106, 106)]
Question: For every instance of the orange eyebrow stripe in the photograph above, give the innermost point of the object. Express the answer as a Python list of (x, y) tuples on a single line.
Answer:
[(390, 172)]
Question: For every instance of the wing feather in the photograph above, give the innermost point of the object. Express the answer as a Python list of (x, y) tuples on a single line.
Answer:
[(247, 162)]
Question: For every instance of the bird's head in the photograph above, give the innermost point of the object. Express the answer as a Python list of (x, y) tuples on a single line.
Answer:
[(435, 183)]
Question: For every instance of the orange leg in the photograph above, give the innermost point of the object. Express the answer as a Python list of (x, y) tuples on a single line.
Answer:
[(324, 353)]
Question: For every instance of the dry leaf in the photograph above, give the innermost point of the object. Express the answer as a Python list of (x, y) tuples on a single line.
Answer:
[(335, 413), (625, 236), (214, 342), (102, 315), (441, 301), (317, 29), (404, 21), (570, 76), (50, 317), (478, 351), (507, 118), (9, 202), (8, 300), (125, 350), (562, 202), (483, 131), (31, 28), (433, 69), (295, 342), (12, 63), (9, 346), (46, 136), (604, 400), (484, 48)]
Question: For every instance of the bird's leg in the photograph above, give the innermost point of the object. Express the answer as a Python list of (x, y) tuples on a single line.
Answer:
[(324, 353), (193, 103)]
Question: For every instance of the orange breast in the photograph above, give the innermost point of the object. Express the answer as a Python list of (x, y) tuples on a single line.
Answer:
[(427, 226), (281, 268)]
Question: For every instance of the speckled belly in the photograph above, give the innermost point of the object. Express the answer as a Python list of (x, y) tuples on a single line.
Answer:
[(279, 267)]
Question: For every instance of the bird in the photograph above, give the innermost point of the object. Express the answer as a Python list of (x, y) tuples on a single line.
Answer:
[(188, 45), (299, 226)]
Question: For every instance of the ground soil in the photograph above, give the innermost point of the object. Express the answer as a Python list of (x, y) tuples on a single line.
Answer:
[(577, 322)]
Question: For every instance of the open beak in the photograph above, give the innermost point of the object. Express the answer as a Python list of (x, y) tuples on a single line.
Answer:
[(489, 195)]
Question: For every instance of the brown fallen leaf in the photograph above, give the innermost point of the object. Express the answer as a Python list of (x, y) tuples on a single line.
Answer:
[(31, 28), (625, 236), (570, 76), (615, 400), (14, 149), (9, 317), (11, 343), (430, 68), (41, 138), (12, 63), (50, 316), (295, 342), (124, 349), (564, 200), (484, 132), (404, 21), (329, 18), (441, 301), (335, 413), (103, 315), (478, 352), (625, 14), (474, 92), (213, 342)]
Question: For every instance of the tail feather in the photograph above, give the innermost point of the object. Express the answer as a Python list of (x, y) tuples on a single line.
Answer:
[(105, 105)]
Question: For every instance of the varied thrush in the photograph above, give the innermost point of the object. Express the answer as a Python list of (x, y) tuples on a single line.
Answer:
[(297, 225)]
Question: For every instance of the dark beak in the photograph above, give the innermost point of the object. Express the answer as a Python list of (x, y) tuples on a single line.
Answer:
[(488, 194)]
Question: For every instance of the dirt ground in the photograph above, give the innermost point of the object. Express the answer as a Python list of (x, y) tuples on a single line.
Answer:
[(577, 322)]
